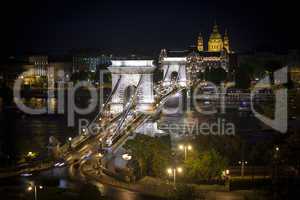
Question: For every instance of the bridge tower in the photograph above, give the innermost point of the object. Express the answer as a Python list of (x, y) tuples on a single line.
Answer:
[(173, 64), (132, 77)]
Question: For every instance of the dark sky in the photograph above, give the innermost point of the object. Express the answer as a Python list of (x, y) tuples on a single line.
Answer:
[(145, 26)]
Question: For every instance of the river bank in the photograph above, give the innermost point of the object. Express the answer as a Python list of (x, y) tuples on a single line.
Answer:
[(161, 189)]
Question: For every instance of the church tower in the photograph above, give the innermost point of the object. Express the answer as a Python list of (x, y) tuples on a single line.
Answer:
[(226, 42), (200, 45), (215, 43)]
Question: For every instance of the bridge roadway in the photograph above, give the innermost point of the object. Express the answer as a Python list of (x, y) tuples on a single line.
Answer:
[(90, 147)]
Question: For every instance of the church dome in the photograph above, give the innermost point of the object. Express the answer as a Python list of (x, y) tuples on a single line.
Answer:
[(215, 43)]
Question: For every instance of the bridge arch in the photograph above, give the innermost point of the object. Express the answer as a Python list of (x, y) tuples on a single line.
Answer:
[(129, 92), (136, 78), (174, 75)]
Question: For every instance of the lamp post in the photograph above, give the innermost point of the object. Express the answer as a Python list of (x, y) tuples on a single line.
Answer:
[(101, 143), (242, 163), (276, 153), (84, 132), (185, 148), (34, 188), (70, 142), (173, 172)]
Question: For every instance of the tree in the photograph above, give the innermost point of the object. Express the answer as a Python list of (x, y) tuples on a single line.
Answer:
[(206, 165), (227, 146), (152, 154)]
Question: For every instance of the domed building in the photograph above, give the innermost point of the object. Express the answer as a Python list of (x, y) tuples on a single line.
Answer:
[(215, 43), (200, 61), (218, 53)]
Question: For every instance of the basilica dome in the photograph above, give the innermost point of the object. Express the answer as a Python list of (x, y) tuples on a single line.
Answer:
[(215, 42)]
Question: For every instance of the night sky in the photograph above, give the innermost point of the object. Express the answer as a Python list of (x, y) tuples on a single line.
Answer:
[(144, 27)]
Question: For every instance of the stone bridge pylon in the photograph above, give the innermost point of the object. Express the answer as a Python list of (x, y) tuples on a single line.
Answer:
[(132, 77)]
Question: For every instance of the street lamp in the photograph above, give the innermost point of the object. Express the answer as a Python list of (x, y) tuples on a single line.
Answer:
[(84, 131), (242, 163), (277, 152), (172, 172), (227, 172), (185, 148), (99, 155), (126, 157), (70, 142), (34, 188)]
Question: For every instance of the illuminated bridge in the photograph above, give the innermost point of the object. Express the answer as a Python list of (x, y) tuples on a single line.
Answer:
[(131, 106)]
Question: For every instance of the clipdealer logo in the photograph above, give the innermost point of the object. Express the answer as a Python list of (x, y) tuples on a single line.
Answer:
[(279, 123)]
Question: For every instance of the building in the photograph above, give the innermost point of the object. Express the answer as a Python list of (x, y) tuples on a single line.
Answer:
[(60, 71), (218, 51), (12, 69), (201, 59), (89, 62), (40, 63)]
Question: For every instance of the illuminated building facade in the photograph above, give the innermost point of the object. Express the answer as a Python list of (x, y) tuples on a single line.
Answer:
[(40, 63), (89, 62), (198, 60), (218, 51)]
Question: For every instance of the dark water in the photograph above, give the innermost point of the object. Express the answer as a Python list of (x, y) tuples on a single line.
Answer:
[(22, 132)]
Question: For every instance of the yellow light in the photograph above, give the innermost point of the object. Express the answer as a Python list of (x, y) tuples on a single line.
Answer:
[(227, 172), (41, 187), (181, 147), (100, 155), (29, 188), (69, 138), (190, 147), (179, 169), (169, 171), (126, 157)]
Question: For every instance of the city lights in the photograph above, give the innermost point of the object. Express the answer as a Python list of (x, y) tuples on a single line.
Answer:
[(185, 148), (172, 172), (126, 157)]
